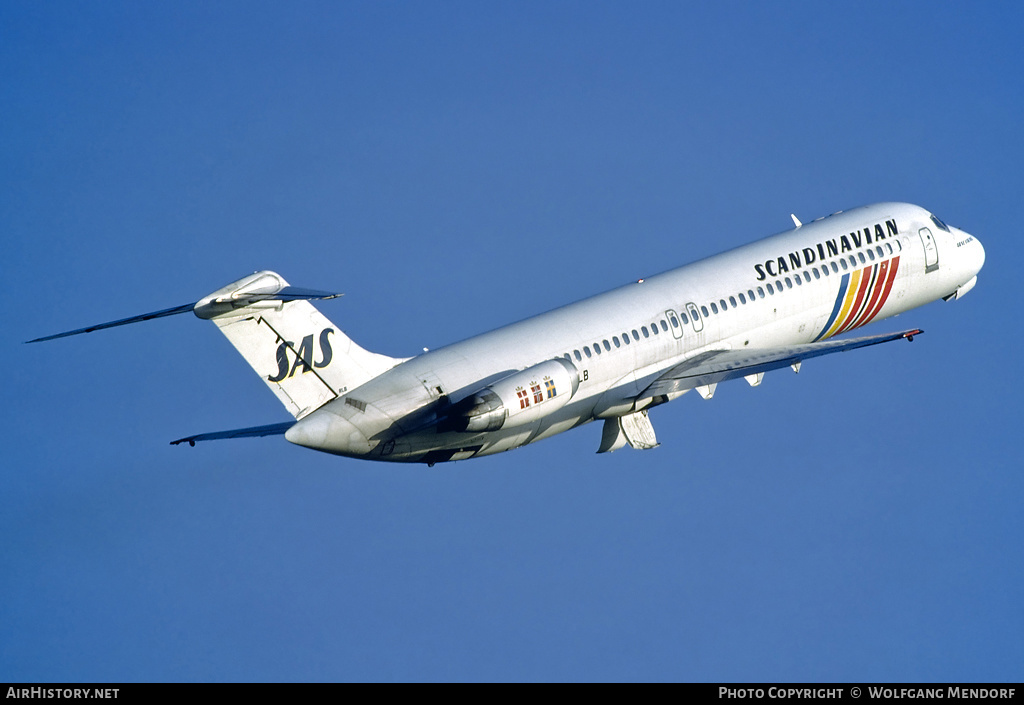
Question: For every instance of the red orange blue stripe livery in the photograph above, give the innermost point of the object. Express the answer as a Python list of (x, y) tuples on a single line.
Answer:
[(861, 296)]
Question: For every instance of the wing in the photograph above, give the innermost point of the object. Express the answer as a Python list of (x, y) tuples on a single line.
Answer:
[(274, 429), (720, 365)]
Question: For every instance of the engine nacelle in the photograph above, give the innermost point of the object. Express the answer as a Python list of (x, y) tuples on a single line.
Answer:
[(518, 399)]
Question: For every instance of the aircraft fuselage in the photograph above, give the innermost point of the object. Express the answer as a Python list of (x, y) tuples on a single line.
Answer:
[(800, 286)]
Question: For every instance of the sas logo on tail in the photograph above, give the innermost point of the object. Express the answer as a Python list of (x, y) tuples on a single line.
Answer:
[(303, 356)]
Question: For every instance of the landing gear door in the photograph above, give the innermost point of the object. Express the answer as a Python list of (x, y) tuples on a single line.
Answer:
[(931, 252)]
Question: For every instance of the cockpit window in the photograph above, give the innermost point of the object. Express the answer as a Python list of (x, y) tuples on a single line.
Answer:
[(940, 224)]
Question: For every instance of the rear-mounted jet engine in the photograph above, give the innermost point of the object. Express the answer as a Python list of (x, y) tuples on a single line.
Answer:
[(518, 399)]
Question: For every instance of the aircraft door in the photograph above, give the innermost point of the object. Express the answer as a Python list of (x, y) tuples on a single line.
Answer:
[(931, 252), (698, 324), (676, 326)]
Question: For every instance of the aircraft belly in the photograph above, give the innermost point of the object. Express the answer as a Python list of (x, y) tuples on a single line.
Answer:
[(510, 439), (556, 427), (429, 446), (559, 422), (443, 447)]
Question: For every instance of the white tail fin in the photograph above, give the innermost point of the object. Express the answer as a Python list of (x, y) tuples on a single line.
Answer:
[(304, 358)]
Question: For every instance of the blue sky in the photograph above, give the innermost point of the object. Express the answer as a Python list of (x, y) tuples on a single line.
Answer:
[(858, 522)]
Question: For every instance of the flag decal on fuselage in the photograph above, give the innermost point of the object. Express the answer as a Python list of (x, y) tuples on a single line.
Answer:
[(861, 296)]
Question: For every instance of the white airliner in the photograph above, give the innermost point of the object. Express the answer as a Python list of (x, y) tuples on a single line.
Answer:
[(760, 307)]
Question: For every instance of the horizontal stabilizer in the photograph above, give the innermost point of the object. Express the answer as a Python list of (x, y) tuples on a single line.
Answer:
[(274, 429), (296, 293), (709, 368), (288, 293), (184, 308)]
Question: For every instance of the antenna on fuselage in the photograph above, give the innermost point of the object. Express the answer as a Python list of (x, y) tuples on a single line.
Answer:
[(796, 221)]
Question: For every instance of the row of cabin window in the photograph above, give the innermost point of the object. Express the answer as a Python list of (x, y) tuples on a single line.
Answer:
[(824, 269), (625, 340)]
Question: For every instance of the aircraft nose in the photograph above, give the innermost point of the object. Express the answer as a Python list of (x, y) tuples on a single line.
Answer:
[(974, 253), (980, 255), (326, 431), (970, 252)]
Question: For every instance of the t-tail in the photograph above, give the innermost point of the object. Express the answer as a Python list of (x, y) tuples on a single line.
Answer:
[(304, 358)]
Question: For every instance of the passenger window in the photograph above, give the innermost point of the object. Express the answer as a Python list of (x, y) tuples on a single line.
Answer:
[(643, 329), (778, 287), (704, 310), (732, 300), (625, 338), (742, 299), (796, 278), (843, 263), (861, 256), (750, 295), (615, 339), (807, 277), (714, 307), (586, 351), (853, 262), (817, 274), (576, 354), (685, 319), (789, 284), (835, 269), (888, 247), (771, 290), (675, 321), (881, 253), (760, 292), (636, 336), (607, 346)]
